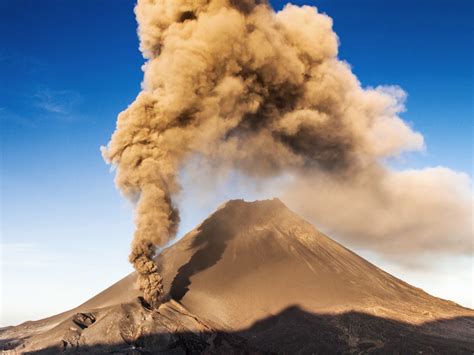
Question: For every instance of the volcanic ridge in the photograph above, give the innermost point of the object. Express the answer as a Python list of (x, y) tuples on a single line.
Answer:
[(256, 278)]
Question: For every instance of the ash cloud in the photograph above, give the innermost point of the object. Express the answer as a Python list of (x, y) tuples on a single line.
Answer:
[(245, 89), (403, 215)]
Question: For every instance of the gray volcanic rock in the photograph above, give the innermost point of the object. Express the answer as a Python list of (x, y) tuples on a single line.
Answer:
[(256, 278)]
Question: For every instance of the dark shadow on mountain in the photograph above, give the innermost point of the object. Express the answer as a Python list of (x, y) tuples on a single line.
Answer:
[(295, 331), (209, 250)]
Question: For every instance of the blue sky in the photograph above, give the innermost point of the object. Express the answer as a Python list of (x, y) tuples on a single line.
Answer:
[(67, 68)]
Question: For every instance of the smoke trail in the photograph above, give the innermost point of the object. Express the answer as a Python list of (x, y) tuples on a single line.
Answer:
[(244, 88)]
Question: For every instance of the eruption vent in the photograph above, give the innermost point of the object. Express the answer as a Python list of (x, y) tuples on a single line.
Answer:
[(245, 88)]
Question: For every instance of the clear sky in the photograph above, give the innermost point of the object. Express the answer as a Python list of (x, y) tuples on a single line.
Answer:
[(67, 68)]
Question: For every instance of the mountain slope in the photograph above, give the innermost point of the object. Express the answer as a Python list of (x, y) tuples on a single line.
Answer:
[(248, 277)]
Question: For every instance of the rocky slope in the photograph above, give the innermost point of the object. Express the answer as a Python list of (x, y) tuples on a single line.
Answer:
[(256, 278)]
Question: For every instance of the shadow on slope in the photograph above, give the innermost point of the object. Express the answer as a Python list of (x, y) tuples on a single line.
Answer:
[(209, 250), (296, 331)]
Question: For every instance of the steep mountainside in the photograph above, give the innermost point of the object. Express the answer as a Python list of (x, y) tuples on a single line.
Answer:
[(255, 277)]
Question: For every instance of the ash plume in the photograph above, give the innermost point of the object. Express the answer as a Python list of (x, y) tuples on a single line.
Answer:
[(243, 88)]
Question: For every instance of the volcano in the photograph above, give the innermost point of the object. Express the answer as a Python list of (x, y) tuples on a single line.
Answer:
[(256, 278)]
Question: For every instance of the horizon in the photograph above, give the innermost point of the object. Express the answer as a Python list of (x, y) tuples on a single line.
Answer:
[(66, 76)]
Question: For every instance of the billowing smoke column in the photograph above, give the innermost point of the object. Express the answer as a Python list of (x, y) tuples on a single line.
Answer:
[(244, 88)]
